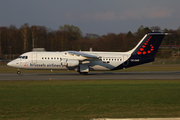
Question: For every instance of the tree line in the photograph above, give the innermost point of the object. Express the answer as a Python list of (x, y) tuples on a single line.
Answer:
[(15, 40)]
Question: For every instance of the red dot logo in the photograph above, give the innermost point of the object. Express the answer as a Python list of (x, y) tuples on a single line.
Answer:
[(141, 50), (139, 53), (148, 51), (144, 52)]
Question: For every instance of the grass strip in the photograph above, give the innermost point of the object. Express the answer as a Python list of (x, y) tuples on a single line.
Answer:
[(82, 99)]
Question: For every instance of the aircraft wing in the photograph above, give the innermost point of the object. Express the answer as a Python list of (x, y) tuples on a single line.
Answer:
[(88, 56)]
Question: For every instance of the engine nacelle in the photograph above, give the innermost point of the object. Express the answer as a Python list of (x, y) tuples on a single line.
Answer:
[(69, 62), (72, 62)]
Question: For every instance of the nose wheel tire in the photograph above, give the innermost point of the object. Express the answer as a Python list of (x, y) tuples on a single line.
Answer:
[(18, 72)]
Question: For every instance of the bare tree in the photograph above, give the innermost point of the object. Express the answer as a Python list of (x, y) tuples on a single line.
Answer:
[(34, 31), (25, 34), (155, 29), (36, 34)]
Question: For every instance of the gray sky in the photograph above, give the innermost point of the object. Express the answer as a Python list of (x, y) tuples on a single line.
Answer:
[(92, 16)]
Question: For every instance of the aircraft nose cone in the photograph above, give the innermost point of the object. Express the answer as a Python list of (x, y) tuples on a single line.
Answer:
[(9, 63)]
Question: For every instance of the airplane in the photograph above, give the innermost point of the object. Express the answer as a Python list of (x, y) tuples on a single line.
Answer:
[(85, 61)]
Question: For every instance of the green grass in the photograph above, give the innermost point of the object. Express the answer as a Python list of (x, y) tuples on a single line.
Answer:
[(82, 99)]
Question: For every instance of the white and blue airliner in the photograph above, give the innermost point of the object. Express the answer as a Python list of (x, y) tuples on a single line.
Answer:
[(85, 61)]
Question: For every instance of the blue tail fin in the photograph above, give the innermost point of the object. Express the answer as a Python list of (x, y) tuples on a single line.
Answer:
[(146, 49)]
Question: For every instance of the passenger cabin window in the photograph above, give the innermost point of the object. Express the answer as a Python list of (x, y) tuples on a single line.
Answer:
[(111, 59), (52, 58)]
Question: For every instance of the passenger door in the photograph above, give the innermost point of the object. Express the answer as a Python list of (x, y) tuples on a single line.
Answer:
[(34, 58)]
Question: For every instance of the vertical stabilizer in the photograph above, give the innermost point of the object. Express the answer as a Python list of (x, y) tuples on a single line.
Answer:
[(144, 51), (149, 45)]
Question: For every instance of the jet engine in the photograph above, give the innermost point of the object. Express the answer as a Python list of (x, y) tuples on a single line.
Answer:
[(69, 62), (72, 62)]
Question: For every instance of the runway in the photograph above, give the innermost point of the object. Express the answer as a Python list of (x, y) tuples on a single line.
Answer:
[(169, 75)]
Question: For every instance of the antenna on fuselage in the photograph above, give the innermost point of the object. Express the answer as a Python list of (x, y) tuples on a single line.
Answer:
[(90, 49)]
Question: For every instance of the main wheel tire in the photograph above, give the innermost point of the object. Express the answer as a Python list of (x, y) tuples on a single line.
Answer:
[(83, 73)]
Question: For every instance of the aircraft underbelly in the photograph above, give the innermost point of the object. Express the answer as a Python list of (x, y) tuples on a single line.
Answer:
[(100, 65)]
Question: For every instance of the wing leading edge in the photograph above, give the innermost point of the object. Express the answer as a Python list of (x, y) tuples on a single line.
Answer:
[(87, 56)]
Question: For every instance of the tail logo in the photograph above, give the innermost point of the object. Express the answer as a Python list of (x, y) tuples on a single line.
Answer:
[(142, 51)]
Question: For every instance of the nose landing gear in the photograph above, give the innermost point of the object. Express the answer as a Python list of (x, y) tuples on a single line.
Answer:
[(18, 72)]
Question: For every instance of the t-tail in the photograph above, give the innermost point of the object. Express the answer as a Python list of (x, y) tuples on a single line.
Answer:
[(145, 50)]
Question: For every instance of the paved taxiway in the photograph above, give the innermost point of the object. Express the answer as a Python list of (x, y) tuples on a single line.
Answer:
[(92, 76)]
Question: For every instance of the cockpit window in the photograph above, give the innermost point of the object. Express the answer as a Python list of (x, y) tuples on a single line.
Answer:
[(23, 57)]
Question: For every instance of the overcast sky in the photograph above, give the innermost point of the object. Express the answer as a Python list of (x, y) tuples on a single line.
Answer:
[(92, 16)]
